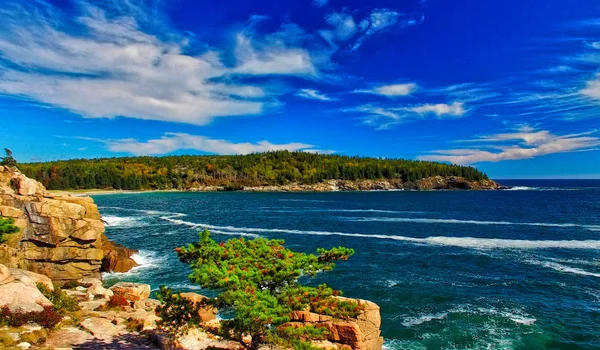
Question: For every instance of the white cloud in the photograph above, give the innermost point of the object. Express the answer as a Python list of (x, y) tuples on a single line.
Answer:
[(274, 54), (344, 28), (393, 90), (592, 89), (524, 144), (455, 109), (171, 142), (101, 64), (385, 117), (312, 94)]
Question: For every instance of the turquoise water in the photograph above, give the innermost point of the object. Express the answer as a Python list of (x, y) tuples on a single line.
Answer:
[(516, 269)]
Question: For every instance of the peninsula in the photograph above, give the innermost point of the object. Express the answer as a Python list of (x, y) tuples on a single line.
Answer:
[(271, 171)]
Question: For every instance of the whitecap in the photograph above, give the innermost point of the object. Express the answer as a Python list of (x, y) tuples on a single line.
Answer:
[(563, 268), (415, 321), (464, 242), (469, 222)]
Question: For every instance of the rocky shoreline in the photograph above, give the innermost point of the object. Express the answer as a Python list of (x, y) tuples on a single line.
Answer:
[(435, 183), (426, 184), (61, 244)]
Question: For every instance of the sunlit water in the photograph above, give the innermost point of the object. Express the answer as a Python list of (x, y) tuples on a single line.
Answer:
[(516, 269)]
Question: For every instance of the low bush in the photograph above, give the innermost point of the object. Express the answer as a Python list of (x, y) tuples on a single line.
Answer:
[(62, 302), (6, 226), (71, 285), (35, 337), (118, 301), (47, 318)]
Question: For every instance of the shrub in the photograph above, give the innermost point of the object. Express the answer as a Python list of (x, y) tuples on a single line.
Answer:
[(71, 285), (47, 318), (6, 227), (118, 301), (35, 337), (61, 301)]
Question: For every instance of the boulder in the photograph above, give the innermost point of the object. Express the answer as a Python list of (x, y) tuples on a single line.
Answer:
[(19, 291), (30, 278), (99, 291), (206, 312), (131, 291)]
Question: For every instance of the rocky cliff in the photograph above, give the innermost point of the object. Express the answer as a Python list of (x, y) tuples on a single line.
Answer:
[(61, 237)]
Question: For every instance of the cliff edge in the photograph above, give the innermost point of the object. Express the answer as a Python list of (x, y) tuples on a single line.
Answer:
[(59, 236)]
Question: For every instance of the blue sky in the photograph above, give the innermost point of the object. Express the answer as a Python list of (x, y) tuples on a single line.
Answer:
[(511, 87)]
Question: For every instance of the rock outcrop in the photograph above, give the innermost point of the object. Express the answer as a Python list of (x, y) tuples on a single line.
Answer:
[(61, 237), (360, 333), (18, 290)]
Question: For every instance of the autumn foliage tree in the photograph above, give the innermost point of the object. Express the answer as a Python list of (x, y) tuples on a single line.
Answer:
[(259, 280)]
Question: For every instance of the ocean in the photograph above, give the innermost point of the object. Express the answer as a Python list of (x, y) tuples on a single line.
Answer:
[(513, 269)]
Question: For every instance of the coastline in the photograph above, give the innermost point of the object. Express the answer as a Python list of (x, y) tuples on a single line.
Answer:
[(436, 183)]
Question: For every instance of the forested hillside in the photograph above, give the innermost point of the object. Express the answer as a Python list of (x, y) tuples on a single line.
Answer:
[(272, 168)]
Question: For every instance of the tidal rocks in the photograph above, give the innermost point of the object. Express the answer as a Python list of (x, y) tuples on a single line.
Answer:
[(61, 237)]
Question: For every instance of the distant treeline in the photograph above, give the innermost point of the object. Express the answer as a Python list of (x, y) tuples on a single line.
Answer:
[(272, 168)]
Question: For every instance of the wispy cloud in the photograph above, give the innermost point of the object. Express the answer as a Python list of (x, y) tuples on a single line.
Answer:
[(101, 64), (312, 94), (171, 142), (524, 143), (343, 25), (386, 117), (379, 20), (392, 90)]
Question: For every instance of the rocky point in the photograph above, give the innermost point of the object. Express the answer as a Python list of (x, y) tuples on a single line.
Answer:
[(60, 236)]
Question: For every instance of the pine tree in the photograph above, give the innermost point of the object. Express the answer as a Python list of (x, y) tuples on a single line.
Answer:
[(259, 280), (8, 159)]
